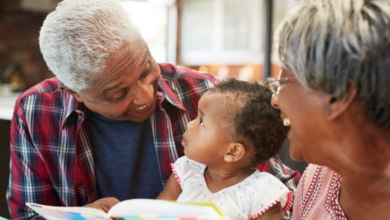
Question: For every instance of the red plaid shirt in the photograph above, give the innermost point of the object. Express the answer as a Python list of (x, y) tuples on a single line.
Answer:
[(51, 155)]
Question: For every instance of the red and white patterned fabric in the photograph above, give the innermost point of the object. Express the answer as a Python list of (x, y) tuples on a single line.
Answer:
[(317, 195)]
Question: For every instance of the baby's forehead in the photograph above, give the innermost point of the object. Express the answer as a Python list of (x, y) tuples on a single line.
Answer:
[(227, 98), (229, 103)]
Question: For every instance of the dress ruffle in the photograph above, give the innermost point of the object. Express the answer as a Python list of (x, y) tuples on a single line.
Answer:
[(247, 199)]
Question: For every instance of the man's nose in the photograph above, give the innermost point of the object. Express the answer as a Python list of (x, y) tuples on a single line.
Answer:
[(143, 94), (274, 101)]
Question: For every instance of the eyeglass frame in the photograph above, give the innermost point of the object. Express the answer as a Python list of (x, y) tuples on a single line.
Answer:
[(274, 84), (270, 80)]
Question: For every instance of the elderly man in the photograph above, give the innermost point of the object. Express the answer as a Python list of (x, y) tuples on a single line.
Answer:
[(110, 124)]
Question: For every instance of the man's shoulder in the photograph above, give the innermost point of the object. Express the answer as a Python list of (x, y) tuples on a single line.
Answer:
[(183, 87), (47, 86), (44, 93), (171, 72)]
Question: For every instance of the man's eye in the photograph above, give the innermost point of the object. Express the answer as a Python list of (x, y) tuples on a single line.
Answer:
[(146, 72), (150, 68), (119, 98)]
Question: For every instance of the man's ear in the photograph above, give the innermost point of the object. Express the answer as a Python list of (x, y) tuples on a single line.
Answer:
[(235, 152), (336, 107), (73, 93)]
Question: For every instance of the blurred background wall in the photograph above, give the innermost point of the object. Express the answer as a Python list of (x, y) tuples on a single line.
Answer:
[(19, 51), (227, 38)]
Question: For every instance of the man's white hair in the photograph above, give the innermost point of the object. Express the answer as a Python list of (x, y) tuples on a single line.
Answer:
[(79, 37), (330, 44)]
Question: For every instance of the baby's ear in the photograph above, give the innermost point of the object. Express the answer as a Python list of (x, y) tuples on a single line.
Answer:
[(235, 152)]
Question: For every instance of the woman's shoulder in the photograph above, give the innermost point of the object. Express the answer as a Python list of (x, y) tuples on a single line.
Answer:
[(312, 179), (316, 173), (317, 192)]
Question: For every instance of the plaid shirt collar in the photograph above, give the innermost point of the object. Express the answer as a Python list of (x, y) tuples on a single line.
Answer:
[(166, 93), (72, 105)]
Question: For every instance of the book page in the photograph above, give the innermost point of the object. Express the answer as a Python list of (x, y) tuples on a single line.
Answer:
[(147, 207), (62, 213), (133, 209)]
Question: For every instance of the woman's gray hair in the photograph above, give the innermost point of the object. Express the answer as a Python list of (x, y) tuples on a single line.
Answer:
[(80, 36), (332, 44)]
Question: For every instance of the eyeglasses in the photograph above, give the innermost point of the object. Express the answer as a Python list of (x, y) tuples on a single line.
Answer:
[(274, 84)]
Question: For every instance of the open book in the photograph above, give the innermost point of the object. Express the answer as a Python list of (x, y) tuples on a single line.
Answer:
[(133, 209)]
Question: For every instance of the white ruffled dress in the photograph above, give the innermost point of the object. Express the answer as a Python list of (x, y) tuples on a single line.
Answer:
[(248, 199)]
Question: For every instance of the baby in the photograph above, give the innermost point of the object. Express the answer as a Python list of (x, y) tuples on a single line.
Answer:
[(236, 129)]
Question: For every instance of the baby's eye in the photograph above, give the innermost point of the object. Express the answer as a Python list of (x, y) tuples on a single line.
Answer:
[(201, 122)]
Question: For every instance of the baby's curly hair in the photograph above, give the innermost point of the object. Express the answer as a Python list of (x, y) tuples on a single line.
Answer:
[(249, 114)]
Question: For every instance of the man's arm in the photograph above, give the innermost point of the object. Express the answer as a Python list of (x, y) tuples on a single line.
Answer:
[(29, 180), (171, 191)]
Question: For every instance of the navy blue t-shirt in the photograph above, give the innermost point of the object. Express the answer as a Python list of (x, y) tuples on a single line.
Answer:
[(125, 158)]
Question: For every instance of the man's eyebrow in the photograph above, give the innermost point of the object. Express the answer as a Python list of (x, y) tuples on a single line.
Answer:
[(145, 73), (115, 86)]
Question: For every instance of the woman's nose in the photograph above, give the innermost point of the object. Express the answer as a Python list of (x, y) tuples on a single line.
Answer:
[(274, 101)]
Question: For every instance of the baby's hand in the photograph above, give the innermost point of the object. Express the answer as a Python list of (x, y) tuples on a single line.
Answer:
[(274, 213), (103, 204)]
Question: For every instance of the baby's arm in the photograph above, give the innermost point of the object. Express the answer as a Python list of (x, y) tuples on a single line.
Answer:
[(274, 213), (171, 191)]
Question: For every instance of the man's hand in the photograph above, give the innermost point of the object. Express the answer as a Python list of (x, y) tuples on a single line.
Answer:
[(104, 204)]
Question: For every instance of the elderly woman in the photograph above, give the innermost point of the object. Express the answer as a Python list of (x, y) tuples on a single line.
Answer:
[(334, 93)]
